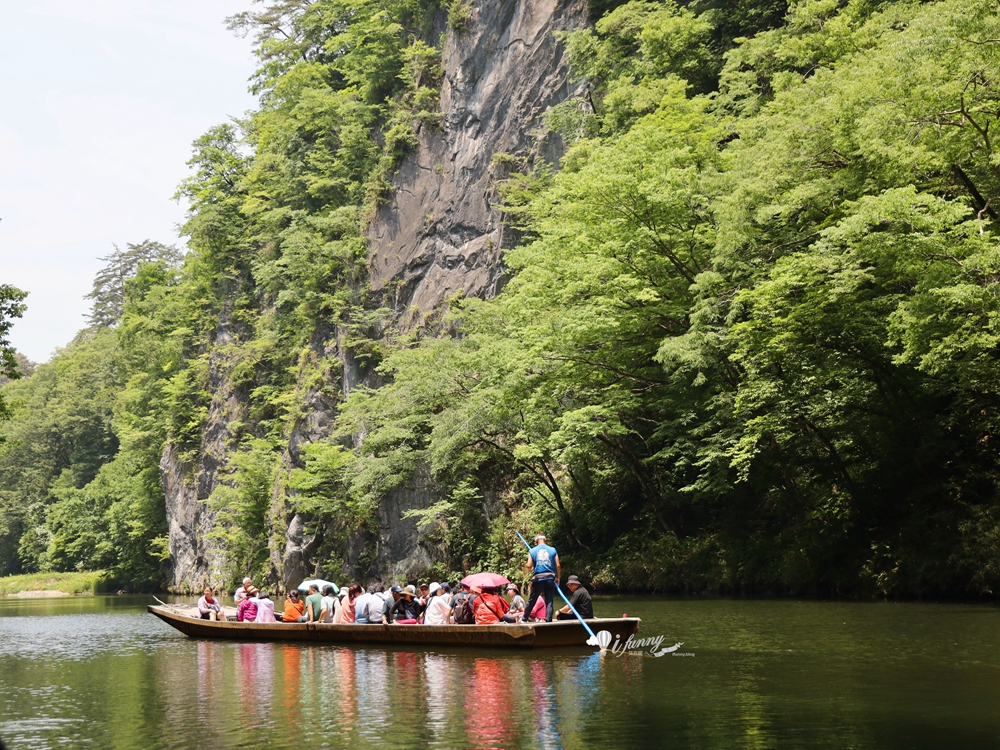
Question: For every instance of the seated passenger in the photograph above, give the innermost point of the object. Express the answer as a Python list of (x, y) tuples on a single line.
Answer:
[(580, 599), (241, 592), (461, 607), (329, 604), (538, 613), (209, 607), (489, 607), (247, 611), (407, 608), (295, 608), (314, 603), (366, 603), (348, 598), (516, 611), (265, 607), (437, 610)]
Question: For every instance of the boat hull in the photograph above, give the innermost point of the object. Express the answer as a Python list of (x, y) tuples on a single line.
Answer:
[(531, 635)]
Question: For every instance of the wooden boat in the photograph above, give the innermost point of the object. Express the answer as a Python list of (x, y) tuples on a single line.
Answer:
[(530, 635)]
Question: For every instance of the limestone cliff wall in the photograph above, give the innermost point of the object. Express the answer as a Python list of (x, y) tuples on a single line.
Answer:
[(442, 232)]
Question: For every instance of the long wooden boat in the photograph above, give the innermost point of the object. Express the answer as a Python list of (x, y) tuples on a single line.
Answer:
[(530, 635)]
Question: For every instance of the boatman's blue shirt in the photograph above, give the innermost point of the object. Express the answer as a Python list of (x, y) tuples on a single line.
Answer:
[(544, 558)]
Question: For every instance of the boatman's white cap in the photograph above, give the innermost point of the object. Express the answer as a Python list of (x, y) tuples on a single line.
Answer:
[(539, 535)]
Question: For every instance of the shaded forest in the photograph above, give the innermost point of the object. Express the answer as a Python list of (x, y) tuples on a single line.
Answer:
[(749, 341)]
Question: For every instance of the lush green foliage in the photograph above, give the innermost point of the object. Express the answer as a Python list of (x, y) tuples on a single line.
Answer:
[(751, 344), (79, 479), (11, 306), (749, 341)]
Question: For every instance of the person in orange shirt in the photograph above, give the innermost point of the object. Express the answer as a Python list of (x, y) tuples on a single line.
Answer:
[(295, 608)]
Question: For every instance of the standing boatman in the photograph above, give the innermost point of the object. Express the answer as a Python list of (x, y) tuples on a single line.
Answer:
[(545, 571)]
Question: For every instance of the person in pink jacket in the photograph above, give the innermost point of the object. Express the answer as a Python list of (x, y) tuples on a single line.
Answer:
[(247, 611)]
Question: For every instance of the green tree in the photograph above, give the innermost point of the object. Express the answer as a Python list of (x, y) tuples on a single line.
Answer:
[(108, 294)]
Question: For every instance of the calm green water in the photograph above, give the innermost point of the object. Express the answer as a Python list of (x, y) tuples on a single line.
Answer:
[(100, 672)]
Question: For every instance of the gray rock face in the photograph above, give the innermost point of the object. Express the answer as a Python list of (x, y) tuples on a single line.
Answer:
[(197, 560), (440, 234)]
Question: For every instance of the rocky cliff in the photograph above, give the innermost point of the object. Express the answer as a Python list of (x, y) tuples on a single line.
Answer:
[(441, 233)]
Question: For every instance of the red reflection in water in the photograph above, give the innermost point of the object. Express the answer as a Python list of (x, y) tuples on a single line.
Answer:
[(347, 680), (408, 683), (488, 705), (292, 663)]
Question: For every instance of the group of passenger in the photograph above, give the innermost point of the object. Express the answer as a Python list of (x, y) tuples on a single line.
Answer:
[(433, 604), (252, 605)]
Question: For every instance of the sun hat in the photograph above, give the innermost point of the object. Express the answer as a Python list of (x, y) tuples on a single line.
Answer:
[(409, 591), (573, 579), (513, 587), (433, 588)]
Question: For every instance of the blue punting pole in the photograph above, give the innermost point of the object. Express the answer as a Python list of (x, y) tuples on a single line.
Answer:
[(571, 607)]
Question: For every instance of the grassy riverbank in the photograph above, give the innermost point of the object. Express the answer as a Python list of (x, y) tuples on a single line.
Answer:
[(88, 582)]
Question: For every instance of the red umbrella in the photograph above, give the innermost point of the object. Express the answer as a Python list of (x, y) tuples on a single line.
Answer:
[(484, 579)]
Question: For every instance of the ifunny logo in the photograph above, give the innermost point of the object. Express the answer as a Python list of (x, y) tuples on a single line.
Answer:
[(633, 645)]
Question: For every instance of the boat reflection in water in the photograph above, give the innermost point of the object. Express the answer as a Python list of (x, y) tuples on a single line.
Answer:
[(287, 692)]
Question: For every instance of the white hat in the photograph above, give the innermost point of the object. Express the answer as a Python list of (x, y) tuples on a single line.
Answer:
[(432, 589)]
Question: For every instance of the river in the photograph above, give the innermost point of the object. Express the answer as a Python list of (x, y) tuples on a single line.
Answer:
[(100, 672)]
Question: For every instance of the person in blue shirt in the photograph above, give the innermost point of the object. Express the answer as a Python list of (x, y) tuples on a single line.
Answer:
[(545, 571)]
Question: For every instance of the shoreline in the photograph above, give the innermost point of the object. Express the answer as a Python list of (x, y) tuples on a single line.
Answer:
[(54, 584), (44, 594)]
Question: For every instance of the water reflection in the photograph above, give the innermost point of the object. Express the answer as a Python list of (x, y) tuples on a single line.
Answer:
[(255, 679), (488, 704), (439, 682), (765, 675), (543, 692), (345, 695)]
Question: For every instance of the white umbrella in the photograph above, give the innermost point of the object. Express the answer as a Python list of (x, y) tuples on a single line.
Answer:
[(319, 583)]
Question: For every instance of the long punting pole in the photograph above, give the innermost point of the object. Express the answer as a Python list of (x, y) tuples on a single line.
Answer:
[(571, 607)]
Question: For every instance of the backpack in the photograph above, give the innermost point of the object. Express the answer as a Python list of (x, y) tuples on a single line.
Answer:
[(463, 609)]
